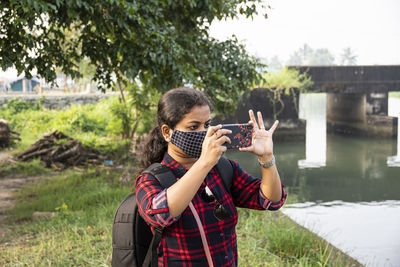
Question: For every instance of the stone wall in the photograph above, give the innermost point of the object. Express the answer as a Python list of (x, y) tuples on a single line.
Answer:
[(57, 101), (375, 126)]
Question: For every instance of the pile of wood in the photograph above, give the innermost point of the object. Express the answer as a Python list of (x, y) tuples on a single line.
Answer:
[(6, 135), (58, 151)]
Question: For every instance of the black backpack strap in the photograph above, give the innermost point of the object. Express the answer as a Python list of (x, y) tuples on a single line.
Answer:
[(166, 178), (162, 173), (151, 255), (225, 169)]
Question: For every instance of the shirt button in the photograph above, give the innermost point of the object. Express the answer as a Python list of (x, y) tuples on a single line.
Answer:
[(221, 234), (226, 257)]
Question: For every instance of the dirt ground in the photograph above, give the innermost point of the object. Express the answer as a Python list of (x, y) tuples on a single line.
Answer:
[(7, 187), (4, 156)]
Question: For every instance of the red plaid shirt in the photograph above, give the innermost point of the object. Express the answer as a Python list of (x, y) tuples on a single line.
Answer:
[(181, 243)]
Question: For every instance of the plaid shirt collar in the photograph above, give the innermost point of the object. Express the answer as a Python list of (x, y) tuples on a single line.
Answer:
[(177, 169)]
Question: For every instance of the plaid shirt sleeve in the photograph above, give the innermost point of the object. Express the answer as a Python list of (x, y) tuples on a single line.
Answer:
[(152, 201), (247, 193)]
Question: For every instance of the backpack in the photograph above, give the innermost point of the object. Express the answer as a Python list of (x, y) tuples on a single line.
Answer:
[(133, 242)]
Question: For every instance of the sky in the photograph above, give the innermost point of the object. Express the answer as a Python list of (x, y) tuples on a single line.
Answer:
[(371, 28)]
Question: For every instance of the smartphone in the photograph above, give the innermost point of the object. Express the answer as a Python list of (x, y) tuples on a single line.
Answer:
[(241, 135)]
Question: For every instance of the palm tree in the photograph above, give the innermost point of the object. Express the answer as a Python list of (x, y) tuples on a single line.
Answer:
[(305, 52), (348, 57)]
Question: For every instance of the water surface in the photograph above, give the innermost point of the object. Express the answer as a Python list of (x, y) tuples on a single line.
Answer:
[(346, 189)]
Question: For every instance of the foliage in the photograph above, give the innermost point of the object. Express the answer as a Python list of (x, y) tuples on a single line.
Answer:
[(348, 57), (16, 105), (136, 110), (306, 55), (394, 94), (321, 56), (92, 124), (160, 44), (285, 82), (275, 64), (32, 168)]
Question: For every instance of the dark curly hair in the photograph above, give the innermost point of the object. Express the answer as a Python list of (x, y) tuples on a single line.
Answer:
[(172, 107)]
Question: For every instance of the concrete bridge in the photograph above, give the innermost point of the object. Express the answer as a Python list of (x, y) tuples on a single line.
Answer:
[(357, 97)]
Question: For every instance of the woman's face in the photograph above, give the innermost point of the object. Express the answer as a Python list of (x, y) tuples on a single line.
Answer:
[(198, 119)]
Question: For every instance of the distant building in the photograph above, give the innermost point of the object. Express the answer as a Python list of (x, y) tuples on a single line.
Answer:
[(4, 84), (24, 85)]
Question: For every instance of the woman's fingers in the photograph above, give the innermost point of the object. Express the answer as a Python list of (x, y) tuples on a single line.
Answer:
[(222, 140), (246, 149), (221, 132), (212, 129), (272, 129), (260, 124), (253, 119), (260, 121)]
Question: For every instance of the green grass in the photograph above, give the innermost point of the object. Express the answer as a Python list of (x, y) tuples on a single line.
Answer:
[(80, 235), (31, 168), (394, 94), (94, 125), (81, 232), (272, 239)]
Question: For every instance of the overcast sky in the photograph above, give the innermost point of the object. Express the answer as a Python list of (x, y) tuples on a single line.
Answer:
[(370, 27)]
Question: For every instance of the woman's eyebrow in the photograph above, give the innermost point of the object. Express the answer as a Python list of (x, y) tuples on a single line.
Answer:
[(197, 122)]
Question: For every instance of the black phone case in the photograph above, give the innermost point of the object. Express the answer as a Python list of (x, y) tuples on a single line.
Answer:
[(240, 136)]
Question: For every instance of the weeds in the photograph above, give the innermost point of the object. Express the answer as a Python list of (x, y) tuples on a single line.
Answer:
[(92, 124), (31, 168)]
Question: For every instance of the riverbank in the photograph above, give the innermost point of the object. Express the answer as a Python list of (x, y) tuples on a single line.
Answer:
[(80, 233)]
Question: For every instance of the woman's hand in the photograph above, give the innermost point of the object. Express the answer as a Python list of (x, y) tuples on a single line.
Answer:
[(261, 144), (212, 148)]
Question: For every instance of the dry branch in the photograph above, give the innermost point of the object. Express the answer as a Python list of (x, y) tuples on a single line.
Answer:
[(6, 134), (58, 151)]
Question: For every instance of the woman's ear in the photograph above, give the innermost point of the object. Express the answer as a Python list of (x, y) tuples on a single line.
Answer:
[(166, 132)]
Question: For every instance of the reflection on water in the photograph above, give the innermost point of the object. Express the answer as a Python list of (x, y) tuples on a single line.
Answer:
[(354, 193), (368, 231), (394, 111), (313, 110), (355, 170)]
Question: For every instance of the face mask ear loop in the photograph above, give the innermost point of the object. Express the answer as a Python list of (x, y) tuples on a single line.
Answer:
[(169, 139)]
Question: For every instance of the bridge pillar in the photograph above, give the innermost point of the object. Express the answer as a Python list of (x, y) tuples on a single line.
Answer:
[(377, 103), (349, 107)]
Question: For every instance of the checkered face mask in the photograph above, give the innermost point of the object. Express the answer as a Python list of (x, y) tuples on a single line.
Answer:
[(189, 142)]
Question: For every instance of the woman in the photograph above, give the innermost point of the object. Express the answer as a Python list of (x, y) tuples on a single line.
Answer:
[(185, 142)]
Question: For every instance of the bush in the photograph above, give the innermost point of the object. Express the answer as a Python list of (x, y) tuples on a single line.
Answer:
[(94, 125)]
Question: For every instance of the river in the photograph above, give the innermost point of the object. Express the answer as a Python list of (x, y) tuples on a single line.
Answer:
[(347, 189)]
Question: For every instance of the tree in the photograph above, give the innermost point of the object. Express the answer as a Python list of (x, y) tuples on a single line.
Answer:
[(321, 56), (158, 44), (285, 82), (295, 59), (348, 57), (275, 64), (305, 55), (305, 52)]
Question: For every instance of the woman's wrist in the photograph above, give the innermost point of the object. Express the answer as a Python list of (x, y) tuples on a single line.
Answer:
[(267, 164), (266, 158), (204, 164)]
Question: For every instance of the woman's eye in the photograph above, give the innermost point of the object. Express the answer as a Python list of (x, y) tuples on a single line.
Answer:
[(206, 125), (193, 128)]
